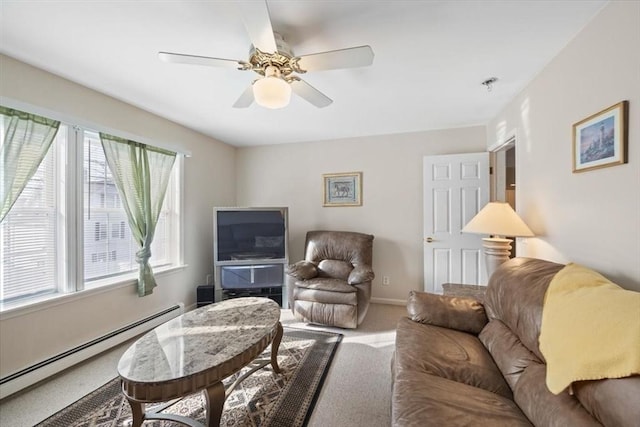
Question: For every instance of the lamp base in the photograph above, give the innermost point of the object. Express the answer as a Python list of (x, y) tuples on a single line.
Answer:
[(496, 251)]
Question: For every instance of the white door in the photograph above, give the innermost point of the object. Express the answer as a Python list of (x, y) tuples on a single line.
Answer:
[(456, 187)]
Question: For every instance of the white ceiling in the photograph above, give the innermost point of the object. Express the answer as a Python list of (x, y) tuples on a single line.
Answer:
[(430, 59)]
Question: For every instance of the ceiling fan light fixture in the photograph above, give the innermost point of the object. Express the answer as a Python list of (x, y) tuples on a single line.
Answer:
[(272, 91)]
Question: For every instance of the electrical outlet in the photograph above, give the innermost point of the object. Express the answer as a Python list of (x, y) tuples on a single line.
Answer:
[(385, 280)]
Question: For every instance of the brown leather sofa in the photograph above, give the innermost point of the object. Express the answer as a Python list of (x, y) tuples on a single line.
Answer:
[(332, 285), (459, 362)]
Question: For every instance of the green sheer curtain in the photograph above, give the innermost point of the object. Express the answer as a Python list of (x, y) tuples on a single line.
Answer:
[(141, 173), (26, 140)]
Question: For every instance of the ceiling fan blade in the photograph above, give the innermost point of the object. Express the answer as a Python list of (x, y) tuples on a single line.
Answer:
[(246, 99), (258, 24), (179, 58), (360, 56), (309, 93)]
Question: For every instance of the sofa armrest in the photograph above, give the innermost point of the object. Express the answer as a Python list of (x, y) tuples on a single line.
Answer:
[(462, 314), (360, 274), (302, 270)]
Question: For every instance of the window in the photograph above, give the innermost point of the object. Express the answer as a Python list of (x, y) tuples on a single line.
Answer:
[(41, 242)]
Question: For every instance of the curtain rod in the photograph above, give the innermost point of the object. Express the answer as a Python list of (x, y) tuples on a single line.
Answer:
[(85, 124)]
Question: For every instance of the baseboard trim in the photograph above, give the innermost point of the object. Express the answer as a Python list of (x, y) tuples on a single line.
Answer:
[(30, 375), (389, 301)]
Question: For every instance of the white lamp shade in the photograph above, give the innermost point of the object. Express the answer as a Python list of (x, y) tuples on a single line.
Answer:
[(498, 219), (272, 92)]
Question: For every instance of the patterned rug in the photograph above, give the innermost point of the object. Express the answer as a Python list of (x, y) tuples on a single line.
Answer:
[(263, 399)]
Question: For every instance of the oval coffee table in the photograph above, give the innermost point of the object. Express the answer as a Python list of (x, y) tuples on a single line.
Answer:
[(195, 352)]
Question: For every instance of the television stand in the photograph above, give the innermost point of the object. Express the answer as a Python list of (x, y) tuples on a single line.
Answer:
[(271, 292)]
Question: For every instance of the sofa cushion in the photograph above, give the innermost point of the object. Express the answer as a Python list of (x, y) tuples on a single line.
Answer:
[(463, 314), (613, 402), (544, 408), (515, 295), (420, 399), (511, 356), (447, 353)]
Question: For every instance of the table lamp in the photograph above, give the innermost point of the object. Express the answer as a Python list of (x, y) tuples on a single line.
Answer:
[(498, 219)]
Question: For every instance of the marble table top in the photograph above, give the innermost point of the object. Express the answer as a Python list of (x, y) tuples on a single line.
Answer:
[(217, 339)]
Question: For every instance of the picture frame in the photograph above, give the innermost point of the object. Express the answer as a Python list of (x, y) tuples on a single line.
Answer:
[(600, 140), (342, 189)]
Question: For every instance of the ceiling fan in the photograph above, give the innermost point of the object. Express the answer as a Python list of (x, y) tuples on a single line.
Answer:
[(271, 57)]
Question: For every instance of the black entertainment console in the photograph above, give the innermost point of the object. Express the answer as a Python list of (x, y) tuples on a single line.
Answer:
[(207, 294), (274, 293)]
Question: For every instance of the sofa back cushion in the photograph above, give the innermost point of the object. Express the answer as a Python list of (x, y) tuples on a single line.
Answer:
[(335, 269), (355, 248), (511, 356), (515, 296)]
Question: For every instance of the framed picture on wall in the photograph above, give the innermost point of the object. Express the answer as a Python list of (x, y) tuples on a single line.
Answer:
[(342, 189), (600, 140)]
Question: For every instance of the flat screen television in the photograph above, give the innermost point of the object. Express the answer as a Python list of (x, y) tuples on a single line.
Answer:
[(247, 235)]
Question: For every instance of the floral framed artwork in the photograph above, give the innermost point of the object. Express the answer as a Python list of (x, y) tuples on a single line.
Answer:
[(600, 140), (342, 189)]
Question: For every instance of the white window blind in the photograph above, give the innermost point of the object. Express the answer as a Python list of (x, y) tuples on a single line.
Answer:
[(103, 212), (29, 234)]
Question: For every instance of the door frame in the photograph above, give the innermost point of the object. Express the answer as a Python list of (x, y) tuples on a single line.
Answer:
[(497, 162)]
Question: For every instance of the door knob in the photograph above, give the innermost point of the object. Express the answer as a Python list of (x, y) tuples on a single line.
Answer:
[(429, 239)]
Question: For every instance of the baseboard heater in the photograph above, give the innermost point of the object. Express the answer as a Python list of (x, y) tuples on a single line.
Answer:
[(44, 369)]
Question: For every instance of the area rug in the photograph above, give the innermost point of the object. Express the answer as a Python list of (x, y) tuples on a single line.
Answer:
[(263, 399)]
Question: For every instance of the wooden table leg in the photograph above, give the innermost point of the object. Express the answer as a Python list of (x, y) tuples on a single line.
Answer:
[(137, 412), (214, 399), (275, 345)]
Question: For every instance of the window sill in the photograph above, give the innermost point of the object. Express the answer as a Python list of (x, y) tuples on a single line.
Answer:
[(44, 302)]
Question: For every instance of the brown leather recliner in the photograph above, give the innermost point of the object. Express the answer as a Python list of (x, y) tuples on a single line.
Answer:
[(332, 285)]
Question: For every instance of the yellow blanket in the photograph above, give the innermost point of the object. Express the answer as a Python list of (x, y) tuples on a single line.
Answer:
[(590, 328)]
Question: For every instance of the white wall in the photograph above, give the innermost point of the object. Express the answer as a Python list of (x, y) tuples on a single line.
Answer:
[(291, 175), (593, 217), (37, 335)]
